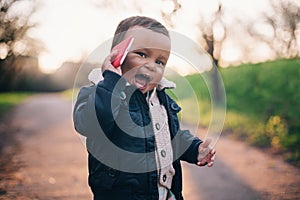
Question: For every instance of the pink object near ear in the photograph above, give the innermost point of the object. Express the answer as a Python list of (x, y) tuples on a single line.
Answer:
[(122, 48)]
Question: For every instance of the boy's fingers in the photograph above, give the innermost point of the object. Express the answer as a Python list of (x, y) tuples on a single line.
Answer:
[(113, 55), (202, 163), (210, 164), (213, 152), (213, 158), (108, 60), (107, 63), (204, 149)]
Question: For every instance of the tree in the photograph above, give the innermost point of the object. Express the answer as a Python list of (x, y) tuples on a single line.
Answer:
[(284, 22), (208, 39), (213, 46), (170, 12), (16, 47)]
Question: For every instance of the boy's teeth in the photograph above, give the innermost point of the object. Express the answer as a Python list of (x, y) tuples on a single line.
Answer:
[(140, 82)]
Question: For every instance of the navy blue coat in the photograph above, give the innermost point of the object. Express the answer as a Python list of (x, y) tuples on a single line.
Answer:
[(115, 119)]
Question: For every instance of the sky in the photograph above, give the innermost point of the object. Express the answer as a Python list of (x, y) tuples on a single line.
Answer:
[(73, 29)]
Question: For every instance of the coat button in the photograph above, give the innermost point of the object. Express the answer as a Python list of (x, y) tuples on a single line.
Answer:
[(157, 126), (123, 95), (164, 178), (163, 153), (174, 106)]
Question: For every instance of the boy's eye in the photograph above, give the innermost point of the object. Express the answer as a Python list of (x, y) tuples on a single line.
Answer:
[(141, 54), (160, 63)]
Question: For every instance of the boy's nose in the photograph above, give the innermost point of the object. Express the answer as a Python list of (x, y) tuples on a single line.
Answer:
[(150, 66)]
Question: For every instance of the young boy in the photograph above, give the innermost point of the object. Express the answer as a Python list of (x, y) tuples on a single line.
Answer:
[(134, 140)]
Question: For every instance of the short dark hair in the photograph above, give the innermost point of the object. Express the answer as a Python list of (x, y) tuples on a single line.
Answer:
[(145, 22)]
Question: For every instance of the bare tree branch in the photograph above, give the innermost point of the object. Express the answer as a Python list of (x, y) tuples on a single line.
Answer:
[(13, 29), (285, 22), (168, 16)]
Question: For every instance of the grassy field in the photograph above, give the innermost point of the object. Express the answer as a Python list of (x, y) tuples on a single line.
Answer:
[(263, 105), (9, 100)]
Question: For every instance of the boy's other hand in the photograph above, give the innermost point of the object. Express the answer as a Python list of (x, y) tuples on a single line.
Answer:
[(107, 63), (206, 154)]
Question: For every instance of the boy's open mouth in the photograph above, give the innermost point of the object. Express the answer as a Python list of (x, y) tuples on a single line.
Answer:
[(142, 80)]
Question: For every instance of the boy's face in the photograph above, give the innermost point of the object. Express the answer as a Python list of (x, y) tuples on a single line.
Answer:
[(145, 63)]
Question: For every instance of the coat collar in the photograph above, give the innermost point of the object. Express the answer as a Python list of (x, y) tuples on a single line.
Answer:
[(95, 76), (165, 84)]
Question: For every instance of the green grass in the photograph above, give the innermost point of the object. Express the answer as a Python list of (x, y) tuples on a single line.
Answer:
[(263, 104), (70, 94), (9, 100)]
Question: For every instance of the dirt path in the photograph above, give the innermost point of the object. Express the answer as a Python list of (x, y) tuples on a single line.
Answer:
[(242, 172), (46, 160), (50, 156)]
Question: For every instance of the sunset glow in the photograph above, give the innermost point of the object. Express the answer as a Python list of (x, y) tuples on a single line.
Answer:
[(73, 28)]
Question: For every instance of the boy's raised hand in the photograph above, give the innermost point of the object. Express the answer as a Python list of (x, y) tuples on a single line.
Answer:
[(107, 63), (206, 154)]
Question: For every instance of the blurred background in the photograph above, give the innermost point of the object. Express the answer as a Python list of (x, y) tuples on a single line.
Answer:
[(44, 40), (255, 44)]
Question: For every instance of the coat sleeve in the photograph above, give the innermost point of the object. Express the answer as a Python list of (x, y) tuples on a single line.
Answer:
[(84, 115), (109, 93), (98, 105), (189, 145)]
